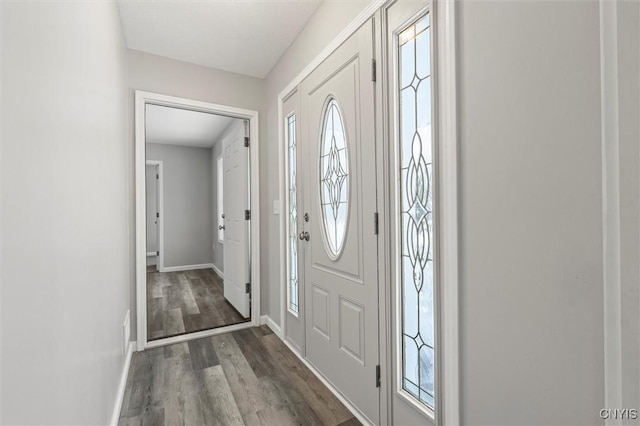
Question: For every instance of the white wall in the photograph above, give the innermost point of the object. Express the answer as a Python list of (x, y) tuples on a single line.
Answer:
[(66, 171), (186, 181), (531, 213), (169, 77)]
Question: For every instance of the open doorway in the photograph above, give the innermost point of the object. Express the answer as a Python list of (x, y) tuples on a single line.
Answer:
[(196, 194)]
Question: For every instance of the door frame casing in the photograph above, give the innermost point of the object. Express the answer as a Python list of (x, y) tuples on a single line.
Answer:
[(160, 202), (141, 99), (446, 96)]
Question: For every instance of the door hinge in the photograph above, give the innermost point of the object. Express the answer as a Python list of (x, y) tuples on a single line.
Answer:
[(373, 70), (246, 141), (377, 376), (157, 214), (157, 176), (247, 215), (375, 223), (247, 288)]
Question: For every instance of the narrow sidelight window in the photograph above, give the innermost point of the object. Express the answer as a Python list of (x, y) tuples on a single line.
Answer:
[(417, 222), (293, 216)]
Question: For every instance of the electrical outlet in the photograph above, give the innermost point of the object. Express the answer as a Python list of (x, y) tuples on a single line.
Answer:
[(126, 330)]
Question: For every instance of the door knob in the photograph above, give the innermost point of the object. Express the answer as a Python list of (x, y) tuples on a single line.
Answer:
[(220, 228), (304, 235)]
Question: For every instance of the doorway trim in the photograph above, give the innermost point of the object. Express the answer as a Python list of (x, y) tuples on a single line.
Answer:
[(141, 99), (160, 195)]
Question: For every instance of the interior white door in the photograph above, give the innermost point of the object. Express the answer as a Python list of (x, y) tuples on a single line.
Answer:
[(236, 235), (341, 284)]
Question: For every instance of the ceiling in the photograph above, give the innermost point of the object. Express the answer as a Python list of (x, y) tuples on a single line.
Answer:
[(242, 36), (174, 126)]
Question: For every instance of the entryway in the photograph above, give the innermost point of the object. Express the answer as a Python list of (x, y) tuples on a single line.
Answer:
[(198, 250), (332, 303)]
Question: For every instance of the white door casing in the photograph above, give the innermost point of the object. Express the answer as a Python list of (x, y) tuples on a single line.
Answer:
[(236, 203), (340, 273), (142, 99)]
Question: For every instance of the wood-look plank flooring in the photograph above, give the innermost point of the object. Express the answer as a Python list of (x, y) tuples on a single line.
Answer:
[(186, 301), (247, 377)]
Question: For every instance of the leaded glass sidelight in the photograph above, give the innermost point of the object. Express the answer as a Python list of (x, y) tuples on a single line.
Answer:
[(334, 178), (293, 215), (416, 193)]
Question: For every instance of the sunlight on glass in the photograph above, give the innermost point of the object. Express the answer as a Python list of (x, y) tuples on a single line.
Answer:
[(293, 216), (334, 178), (416, 191)]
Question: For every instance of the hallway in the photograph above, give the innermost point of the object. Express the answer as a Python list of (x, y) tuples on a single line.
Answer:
[(245, 377), (433, 205)]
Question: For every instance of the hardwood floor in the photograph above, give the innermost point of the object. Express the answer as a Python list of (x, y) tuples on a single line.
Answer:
[(247, 377), (187, 301)]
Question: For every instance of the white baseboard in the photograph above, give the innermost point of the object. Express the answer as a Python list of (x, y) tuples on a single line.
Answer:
[(217, 271), (122, 385), (187, 267), (266, 319)]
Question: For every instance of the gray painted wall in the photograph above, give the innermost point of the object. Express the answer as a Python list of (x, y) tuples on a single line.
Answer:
[(187, 203), (66, 211), (169, 77), (621, 168), (531, 213), (629, 133)]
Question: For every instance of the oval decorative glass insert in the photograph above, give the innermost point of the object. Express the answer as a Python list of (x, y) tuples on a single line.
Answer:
[(334, 178)]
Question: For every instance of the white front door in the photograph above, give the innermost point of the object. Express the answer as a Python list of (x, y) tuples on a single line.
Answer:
[(236, 231), (337, 133)]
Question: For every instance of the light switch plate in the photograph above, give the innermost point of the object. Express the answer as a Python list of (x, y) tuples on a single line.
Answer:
[(276, 206)]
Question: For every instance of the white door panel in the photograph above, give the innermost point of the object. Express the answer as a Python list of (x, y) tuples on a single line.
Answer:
[(341, 286), (236, 236)]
